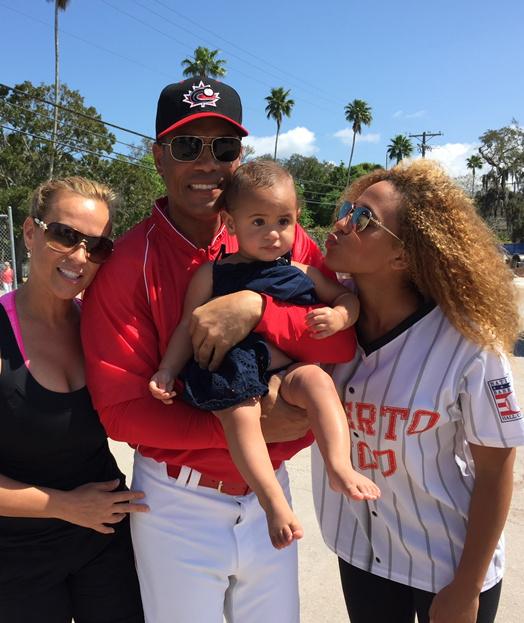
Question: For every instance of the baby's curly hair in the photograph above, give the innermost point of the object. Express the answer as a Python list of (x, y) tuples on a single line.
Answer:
[(453, 256)]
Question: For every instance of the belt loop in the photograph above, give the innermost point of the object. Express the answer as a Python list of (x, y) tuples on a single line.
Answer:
[(185, 473), (194, 477)]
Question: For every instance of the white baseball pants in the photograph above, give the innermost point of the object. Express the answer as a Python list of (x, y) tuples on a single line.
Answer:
[(202, 554)]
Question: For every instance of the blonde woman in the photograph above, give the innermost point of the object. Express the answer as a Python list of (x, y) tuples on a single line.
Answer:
[(429, 400), (65, 547)]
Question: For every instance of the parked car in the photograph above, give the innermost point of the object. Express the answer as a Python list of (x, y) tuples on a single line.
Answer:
[(505, 254), (517, 260)]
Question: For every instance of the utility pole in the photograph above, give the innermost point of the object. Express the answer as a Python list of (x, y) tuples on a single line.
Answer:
[(425, 136)]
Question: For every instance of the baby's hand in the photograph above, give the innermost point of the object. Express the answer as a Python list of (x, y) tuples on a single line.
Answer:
[(161, 386), (324, 322)]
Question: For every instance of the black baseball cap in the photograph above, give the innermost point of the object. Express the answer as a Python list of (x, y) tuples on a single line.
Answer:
[(196, 98)]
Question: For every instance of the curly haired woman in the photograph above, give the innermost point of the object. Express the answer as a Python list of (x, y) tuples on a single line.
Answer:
[(429, 399)]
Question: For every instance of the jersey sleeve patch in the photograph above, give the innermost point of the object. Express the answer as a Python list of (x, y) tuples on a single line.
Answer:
[(504, 399)]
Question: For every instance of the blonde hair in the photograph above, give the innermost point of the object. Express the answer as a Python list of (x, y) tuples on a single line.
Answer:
[(46, 193), (453, 257), (259, 173)]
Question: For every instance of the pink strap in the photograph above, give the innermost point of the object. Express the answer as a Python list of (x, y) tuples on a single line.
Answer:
[(8, 303)]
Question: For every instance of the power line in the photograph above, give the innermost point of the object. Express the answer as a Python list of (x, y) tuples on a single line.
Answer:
[(78, 149), (169, 36), (425, 136), (87, 42), (36, 112), (112, 125), (107, 156), (313, 87), (76, 112), (321, 183), (262, 69)]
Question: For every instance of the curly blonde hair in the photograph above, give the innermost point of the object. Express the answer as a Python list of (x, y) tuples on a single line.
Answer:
[(453, 257)]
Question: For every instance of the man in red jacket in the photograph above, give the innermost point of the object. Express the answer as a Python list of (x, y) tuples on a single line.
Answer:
[(203, 549)]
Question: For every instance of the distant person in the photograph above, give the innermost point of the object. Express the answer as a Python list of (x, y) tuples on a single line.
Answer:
[(7, 277), (260, 207), (65, 545), (430, 402)]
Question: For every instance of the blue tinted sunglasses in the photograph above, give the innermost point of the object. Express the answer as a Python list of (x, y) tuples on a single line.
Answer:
[(360, 217)]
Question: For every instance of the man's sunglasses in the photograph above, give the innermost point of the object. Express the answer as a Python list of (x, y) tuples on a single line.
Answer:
[(63, 239), (360, 217), (189, 148)]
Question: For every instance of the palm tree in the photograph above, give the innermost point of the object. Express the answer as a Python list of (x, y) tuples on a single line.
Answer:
[(60, 5), (204, 64), (400, 147), (474, 162), (278, 105), (358, 113)]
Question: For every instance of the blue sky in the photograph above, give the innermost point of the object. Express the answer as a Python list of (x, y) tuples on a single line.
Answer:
[(453, 66)]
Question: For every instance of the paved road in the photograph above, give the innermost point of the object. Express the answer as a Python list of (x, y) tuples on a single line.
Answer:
[(321, 596)]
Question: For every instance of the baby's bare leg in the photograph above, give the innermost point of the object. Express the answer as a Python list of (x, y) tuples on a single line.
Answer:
[(249, 452), (309, 387)]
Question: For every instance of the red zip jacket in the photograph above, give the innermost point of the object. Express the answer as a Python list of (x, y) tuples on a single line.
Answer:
[(129, 314)]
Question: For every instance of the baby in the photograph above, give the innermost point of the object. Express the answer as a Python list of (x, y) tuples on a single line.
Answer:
[(260, 208)]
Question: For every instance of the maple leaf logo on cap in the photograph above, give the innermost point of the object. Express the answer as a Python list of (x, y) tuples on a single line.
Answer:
[(201, 95)]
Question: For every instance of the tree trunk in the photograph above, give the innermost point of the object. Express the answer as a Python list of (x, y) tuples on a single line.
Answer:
[(276, 141), (57, 86), (351, 157)]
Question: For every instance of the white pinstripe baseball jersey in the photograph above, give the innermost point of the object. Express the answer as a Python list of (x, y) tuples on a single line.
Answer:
[(413, 402)]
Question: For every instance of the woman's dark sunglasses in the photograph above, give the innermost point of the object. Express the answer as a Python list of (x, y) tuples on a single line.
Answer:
[(360, 217), (189, 148), (63, 239)]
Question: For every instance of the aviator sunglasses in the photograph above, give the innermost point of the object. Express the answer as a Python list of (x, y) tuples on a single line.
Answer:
[(360, 217), (63, 239), (189, 148)]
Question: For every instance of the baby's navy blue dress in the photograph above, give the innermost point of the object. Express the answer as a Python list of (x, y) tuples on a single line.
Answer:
[(243, 372)]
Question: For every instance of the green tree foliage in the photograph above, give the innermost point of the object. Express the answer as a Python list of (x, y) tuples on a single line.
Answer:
[(502, 195), (248, 152), (399, 148), (358, 113), (137, 183), (474, 162), (25, 146), (84, 147), (322, 183), (279, 105), (204, 64)]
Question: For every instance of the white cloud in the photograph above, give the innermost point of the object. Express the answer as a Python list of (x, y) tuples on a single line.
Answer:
[(400, 114), (371, 137), (453, 157), (297, 141), (346, 136)]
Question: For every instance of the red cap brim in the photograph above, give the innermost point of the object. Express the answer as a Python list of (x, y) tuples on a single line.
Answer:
[(202, 115)]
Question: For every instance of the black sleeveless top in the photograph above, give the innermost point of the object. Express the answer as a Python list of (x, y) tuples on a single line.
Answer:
[(47, 438), (278, 278)]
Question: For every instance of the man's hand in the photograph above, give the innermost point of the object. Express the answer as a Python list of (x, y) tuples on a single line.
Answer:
[(221, 323), (281, 421)]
